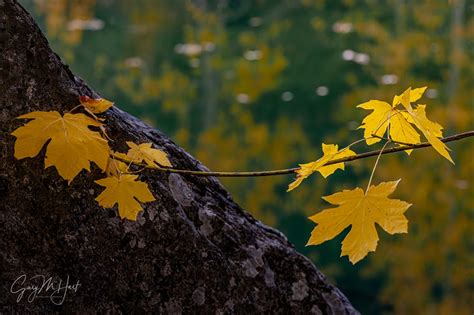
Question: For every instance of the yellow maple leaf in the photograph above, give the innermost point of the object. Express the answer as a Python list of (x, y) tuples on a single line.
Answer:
[(96, 106), (385, 116), (144, 152), (435, 128), (124, 191), (417, 116), (330, 152), (430, 130), (360, 211), (72, 147), (400, 122), (376, 122), (122, 156), (402, 131), (115, 167)]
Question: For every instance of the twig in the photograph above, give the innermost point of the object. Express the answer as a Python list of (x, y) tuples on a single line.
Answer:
[(292, 170), (391, 140)]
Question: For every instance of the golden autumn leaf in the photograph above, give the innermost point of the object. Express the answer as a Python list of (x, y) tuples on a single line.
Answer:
[(96, 106), (400, 122), (430, 129), (115, 167), (361, 211), (420, 113), (384, 116), (122, 156), (144, 152), (402, 131), (333, 150), (72, 147), (377, 121), (330, 152), (125, 191)]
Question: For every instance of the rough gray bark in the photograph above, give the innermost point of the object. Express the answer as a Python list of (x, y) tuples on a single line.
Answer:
[(193, 250)]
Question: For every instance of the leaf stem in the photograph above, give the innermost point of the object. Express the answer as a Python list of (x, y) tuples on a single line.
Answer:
[(375, 166), (286, 171), (73, 109)]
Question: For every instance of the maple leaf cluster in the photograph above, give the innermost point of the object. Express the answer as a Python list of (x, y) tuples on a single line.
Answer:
[(401, 123), (73, 141), (71, 145)]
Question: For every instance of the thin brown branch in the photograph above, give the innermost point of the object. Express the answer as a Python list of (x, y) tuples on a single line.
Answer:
[(292, 170), (386, 139)]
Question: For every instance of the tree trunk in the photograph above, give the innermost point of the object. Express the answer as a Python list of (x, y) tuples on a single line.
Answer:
[(194, 250)]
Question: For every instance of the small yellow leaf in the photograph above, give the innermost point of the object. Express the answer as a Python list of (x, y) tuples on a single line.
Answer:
[(384, 117), (72, 147), (332, 149), (96, 106), (124, 191), (144, 152), (377, 121), (435, 128), (431, 130), (400, 122), (302, 173), (115, 167), (122, 156), (360, 211), (330, 152), (402, 131)]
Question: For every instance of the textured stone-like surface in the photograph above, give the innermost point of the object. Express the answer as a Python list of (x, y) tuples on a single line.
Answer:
[(193, 250)]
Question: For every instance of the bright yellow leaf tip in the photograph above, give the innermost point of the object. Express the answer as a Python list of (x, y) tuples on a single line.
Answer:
[(361, 211), (124, 190), (409, 96), (72, 147), (330, 152)]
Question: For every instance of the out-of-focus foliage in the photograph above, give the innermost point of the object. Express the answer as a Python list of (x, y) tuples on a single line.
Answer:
[(261, 84)]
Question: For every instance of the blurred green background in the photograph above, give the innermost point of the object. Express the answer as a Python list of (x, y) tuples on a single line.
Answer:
[(255, 85)]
